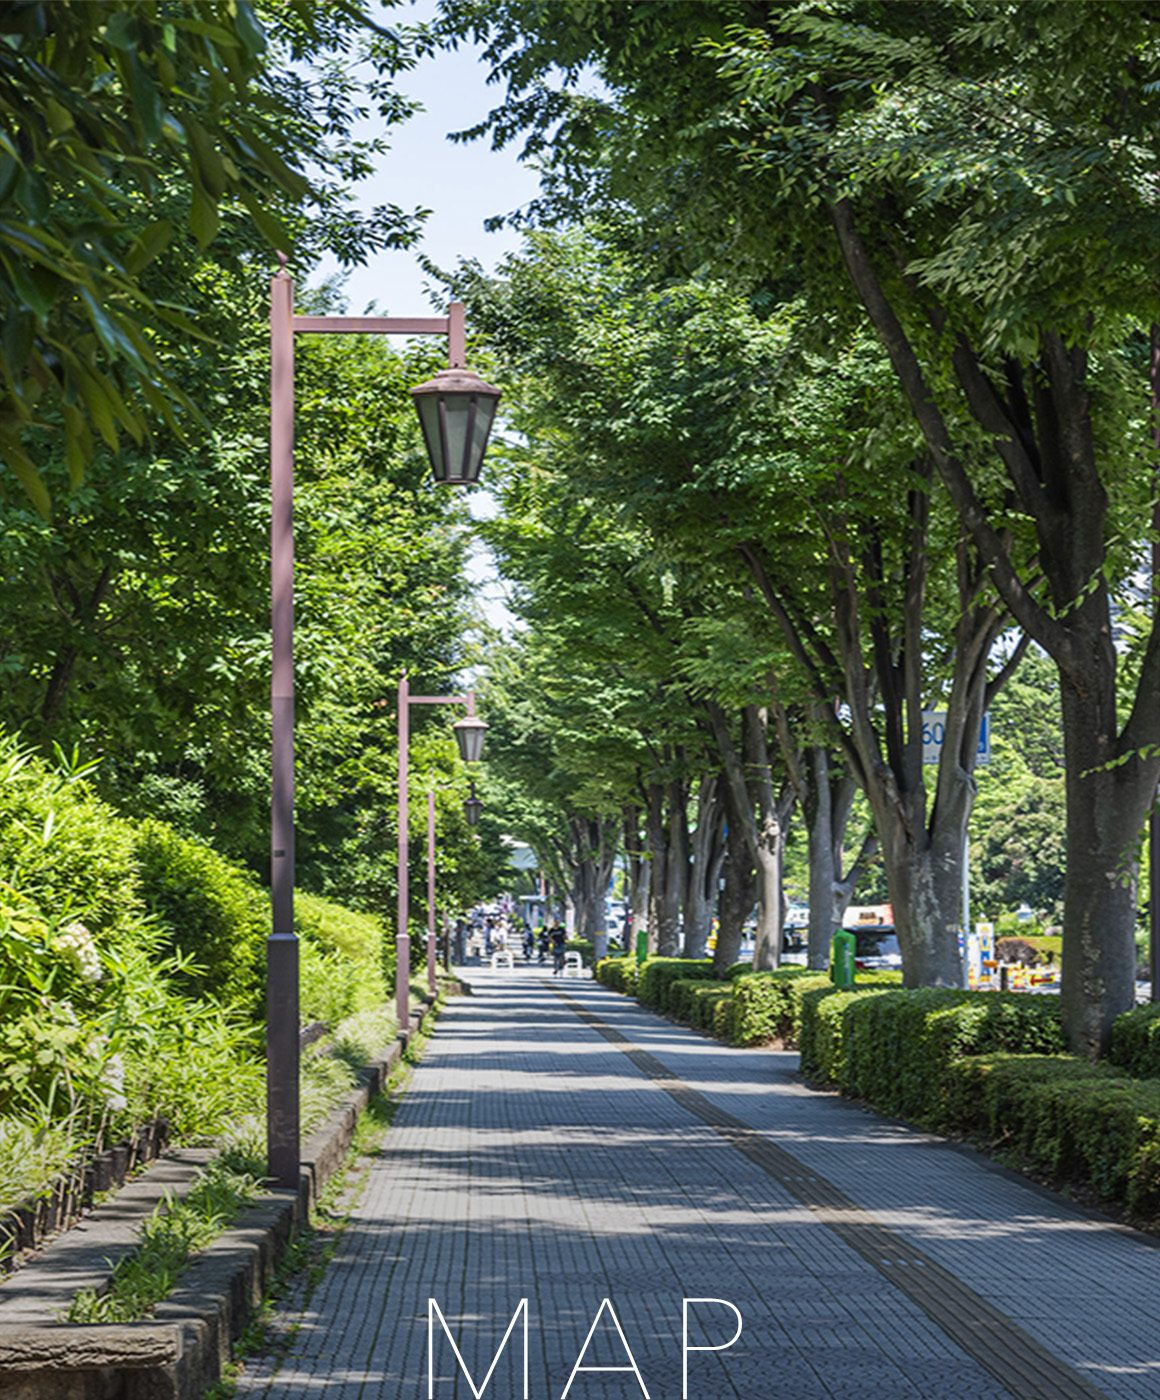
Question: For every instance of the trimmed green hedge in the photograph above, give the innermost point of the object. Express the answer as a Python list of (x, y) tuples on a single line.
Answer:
[(658, 974), (619, 974), (1135, 1044), (693, 999), (982, 1062), (769, 1004), (1073, 1120), (894, 1047)]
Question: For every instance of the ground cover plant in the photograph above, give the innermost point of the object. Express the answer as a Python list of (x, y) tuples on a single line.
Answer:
[(178, 1229), (131, 978)]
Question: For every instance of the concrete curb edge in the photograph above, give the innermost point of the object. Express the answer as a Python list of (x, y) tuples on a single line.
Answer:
[(184, 1347)]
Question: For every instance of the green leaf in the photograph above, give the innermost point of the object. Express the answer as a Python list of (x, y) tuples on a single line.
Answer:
[(19, 334), (121, 31), (203, 215), (24, 469), (251, 33), (144, 95), (110, 332), (272, 229), (207, 160), (78, 444), (150, 242)]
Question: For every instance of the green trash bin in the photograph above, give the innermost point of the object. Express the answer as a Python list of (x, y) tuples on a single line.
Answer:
[(842, 958)]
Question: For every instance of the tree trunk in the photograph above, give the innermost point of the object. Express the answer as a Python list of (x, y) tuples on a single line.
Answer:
[(752, 802), (769, 857), (639, 874), (737, 898), (922, 843), (824, 853), (704, 869), (1039, 419), (767, 953), (667, 875), (1105, 810)]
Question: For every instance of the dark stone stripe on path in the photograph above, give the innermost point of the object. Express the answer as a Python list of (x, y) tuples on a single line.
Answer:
[(1011, 1355)]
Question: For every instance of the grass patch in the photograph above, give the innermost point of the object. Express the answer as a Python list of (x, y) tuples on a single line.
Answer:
[(30, 1157), (175, 1230)]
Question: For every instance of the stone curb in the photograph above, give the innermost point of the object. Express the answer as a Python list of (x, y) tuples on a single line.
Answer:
[(26, 1225), (182, 1350)]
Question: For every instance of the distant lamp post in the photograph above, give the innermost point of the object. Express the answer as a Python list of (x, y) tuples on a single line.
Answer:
[(472, 808), (456, 410), (431, 891), (469, 735)]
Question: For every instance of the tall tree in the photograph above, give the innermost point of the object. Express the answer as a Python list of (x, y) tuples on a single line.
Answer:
[(126, 128), (739, 447), (978, 182)]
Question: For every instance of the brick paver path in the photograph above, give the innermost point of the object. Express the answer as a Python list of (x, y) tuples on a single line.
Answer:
[(560, 1144)]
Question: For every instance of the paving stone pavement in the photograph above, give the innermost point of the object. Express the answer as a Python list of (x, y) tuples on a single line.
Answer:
[(562, 1145)]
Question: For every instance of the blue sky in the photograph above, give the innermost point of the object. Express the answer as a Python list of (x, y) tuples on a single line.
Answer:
[(462, 185)]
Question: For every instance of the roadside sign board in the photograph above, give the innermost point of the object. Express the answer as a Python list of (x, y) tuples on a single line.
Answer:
[(934, 728)]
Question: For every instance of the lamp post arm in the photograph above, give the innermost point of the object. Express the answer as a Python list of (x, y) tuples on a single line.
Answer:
[(453, 326)]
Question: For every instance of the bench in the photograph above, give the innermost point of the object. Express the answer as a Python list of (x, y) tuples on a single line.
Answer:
[(505, 956)]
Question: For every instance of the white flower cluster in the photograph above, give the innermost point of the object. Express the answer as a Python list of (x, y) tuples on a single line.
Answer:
[(76, 944), (113, 1079)]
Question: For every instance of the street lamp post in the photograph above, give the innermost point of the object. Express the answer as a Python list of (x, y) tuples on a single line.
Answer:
[(469, 735), (431, 891), (456, 410)]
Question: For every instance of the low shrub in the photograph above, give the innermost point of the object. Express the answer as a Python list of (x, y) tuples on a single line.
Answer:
[(893, 1048), (704, 1003), (619, 974), (335, 928), (724, 1011), (768, 1004), (658, 974), (345, 965), (212, 911), (822, 1039), (63, 847), (1076, 1121), (690, 999), (1135, 1044), (29, 1156)]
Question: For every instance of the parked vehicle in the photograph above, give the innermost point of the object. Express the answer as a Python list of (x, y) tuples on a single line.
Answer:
[(877, 947)]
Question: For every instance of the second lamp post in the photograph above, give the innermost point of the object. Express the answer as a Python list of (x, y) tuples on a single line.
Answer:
[(469, 733)]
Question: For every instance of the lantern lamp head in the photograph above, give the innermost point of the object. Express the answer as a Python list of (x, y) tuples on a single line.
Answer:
[(469, 735), (456, 410)]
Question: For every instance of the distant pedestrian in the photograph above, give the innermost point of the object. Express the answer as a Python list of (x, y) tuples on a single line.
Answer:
[(558, 940)]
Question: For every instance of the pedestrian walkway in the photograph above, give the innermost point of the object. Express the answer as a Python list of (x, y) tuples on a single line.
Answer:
[(562, 1145)]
